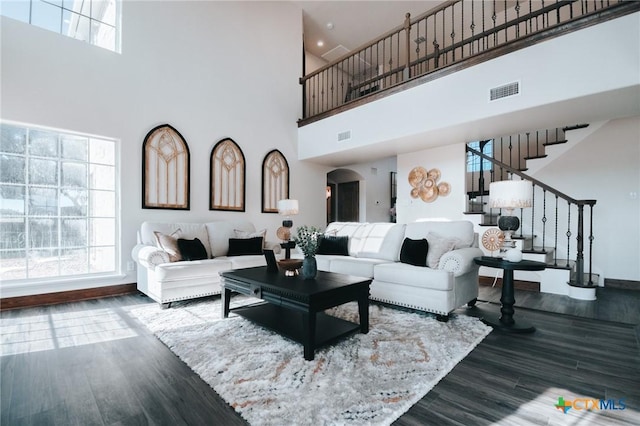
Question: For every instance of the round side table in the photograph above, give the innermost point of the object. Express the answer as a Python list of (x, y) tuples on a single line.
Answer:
[(505, 320)]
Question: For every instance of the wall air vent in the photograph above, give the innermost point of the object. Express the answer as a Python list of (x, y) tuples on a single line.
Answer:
[(344, 136), (504, 91)]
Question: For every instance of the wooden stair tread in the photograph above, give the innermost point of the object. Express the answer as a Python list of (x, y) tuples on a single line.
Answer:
[(554, 143), (574, 127), (533, 157)]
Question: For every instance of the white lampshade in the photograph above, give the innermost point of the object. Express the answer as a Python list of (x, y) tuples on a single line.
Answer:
[(510, 194), (288, 207)]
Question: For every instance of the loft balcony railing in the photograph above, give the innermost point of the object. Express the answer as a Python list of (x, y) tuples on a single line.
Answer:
[(459, 32)]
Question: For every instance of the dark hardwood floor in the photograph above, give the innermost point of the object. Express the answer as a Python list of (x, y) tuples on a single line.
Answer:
[(91, 363)]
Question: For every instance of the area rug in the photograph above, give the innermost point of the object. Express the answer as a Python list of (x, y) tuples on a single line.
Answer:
[(365, 379)]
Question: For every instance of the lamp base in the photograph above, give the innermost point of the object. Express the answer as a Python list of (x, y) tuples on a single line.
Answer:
[(513, 255), (508, 223)]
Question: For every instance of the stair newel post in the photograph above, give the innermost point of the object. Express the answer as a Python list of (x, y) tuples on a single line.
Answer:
[(407, 29), (544, 218), (555, 238), (568, 233), (580, 246), (590, 244)]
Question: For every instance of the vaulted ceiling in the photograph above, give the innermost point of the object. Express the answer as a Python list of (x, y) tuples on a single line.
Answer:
[(353, 23)]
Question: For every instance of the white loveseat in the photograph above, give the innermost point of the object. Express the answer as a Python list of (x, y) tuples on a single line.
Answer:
[(167, 282), (374, 252)]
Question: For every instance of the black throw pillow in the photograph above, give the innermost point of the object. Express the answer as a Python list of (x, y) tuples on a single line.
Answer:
[(414, 252), (192, 249), (330, 244), (245, 246)]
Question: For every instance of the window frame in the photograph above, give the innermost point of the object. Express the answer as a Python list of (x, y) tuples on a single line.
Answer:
[(90, 240), (474, 161), (67, 17)]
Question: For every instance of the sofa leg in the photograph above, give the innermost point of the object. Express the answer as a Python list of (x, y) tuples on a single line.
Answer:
[(442, 318), (472, 303), (165, 305)]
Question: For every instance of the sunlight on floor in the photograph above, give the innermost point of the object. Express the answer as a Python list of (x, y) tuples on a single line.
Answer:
[(43, 332), (545, 406)]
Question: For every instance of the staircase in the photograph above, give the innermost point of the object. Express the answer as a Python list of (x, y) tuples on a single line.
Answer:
[(552, 231)]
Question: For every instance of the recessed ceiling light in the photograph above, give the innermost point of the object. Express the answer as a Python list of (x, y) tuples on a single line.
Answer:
[(320, 43), (329, 25)]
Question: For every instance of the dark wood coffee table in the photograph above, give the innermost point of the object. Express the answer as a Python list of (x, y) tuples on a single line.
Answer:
[(293, 306)]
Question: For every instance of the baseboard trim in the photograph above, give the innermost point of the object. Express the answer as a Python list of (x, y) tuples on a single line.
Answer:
[(65, 296), (623, 284), (517, 284)]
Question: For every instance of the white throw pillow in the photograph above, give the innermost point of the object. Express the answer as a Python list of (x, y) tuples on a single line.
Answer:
[(169, 243), (438, 246)]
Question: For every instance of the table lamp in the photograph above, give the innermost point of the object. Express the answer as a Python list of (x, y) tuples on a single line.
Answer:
[(509, 195), (287, 208)]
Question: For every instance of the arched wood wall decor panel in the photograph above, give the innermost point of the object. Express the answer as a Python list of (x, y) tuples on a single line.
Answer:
[(275, 181), (227, 177), (165, 169)]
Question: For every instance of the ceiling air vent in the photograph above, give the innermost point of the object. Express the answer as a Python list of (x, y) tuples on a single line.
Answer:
[(504, 91), (343, 136)]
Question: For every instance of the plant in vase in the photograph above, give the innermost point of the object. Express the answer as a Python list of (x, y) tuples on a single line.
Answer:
[(307, 239)]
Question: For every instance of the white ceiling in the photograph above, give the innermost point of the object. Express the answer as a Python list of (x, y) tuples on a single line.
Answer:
[(354, 22)]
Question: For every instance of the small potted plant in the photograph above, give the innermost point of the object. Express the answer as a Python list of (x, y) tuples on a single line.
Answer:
[(307, 239)]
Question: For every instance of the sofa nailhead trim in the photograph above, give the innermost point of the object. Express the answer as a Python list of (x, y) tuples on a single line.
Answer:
[(406, 305)]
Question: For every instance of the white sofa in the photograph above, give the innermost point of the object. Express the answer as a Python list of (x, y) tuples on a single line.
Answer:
[(374, 252), (167, 282)]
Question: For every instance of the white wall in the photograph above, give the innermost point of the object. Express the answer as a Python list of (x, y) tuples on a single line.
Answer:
[(210, 69), (450, 160)]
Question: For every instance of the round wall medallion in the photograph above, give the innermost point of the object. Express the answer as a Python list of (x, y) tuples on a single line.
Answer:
[(492, 239), (417, 175), (444, 188), (428, 194), (434, 174)]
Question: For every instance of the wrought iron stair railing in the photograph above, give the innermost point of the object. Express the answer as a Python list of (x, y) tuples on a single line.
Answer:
[(544, 222)]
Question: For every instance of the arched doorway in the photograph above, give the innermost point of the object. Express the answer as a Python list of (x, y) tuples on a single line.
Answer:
[(344, 196)]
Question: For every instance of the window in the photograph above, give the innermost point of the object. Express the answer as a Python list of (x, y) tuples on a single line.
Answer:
[(473, 161), (93, 21), (58, 204)]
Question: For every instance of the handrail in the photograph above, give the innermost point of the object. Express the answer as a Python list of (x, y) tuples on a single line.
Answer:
[(532, 179), (449, 37)]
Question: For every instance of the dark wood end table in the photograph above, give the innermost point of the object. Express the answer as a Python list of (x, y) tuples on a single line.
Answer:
[(505, 320), (293, 306)]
